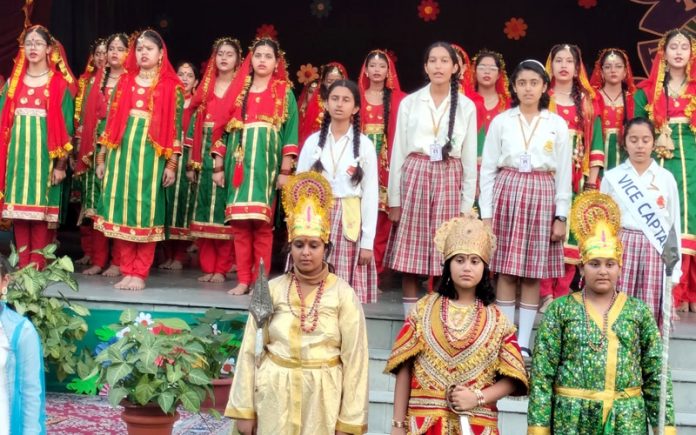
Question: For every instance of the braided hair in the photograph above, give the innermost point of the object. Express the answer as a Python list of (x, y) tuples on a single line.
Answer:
[(107, 69), (357, 175), (454, 92), (578, 92), (386, 92)]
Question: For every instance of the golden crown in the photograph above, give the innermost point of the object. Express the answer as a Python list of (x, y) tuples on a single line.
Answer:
[(595, 221), (465, 235), (307, 200)]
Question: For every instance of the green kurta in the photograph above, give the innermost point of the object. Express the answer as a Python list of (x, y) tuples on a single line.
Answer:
[(180, 201), (208, 219), (566, 370), (681, 166), (266, 141), (90, 185), (133, 204), (29, 194)]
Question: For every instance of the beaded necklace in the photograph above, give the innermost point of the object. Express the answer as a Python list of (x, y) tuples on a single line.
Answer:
[(605, 322), (313, 313), (472, 319)]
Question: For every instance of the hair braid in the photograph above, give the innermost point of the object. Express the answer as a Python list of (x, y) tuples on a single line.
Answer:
[(245, 100), (323, 133), (105, 79), (386, 106), (357, 176), (576, 94), (454, 102)]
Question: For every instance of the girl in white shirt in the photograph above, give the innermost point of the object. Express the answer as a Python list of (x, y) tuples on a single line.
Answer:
[(648, 198), (525, 194), (348, 160), (432, 173)]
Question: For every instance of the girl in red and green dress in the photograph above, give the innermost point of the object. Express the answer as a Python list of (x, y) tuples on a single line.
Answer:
[(213, 105), (180, 195), (668, 98), (95, 62), (613, 79), (36, 127), (139, 156), (314, 110), (574, 100), (381, 95), (490, 82), (257, 155)]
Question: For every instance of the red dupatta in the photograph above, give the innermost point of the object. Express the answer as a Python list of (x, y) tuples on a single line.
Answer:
[(60, 80), (502, 86), (597, 82), (162, 104), (311, 121), (95, 110)]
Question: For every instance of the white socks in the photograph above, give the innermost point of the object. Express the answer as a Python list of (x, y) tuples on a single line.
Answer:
[(524, 333), (508, 308), (409, 303)]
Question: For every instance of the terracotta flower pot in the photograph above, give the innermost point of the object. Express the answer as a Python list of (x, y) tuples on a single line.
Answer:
[(221, 392), (148, 419)]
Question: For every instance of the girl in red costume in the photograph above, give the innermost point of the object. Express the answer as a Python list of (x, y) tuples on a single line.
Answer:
[(314, 110)]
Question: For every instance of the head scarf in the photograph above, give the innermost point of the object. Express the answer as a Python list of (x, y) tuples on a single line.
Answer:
[(162, 104), (315, 108), (629, 85), (85, 77)]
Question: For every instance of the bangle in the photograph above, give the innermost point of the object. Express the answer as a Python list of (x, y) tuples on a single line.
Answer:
[(218, 169), (399, 424), (172, 164), (61, 164), (286, 172), (101, 158), (479, 397)]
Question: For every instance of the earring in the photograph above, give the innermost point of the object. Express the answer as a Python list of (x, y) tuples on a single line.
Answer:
[(3, 291)]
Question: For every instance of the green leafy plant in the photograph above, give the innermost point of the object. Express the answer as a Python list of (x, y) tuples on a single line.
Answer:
[(59, 322), (223, 332), (159, 362)]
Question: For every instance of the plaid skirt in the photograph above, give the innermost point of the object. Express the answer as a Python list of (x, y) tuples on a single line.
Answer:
[(524, 208), (344, 257), (430, 196), (641, 274)]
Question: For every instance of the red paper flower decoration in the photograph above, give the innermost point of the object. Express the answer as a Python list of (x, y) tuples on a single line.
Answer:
[(515, 28), (428, 10), (587, 4), (267, 31), (307, 74)]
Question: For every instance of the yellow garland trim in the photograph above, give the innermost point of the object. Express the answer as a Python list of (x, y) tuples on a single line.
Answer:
[(61, 152)]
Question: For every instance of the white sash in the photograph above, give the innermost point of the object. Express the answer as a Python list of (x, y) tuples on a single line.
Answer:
[(633, 195)]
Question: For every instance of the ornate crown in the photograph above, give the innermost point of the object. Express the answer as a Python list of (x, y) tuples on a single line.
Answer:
[(465, 235), (307, 200), (595, 221)]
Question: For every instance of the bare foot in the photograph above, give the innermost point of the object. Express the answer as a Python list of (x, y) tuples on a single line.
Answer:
[(176, 265), (683, 307), (94, 270), (675, 317), (112, 271), (205, 278), (692, 307), (124, 282), (135, 284), (217, 278), (165, 265), (233, 269), (240, 290), (84, 260)]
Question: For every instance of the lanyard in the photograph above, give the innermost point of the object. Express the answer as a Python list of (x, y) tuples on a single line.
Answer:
[(436, 127), (336, 161), (524, 136)]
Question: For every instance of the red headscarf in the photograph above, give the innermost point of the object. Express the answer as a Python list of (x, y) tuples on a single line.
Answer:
[(315, 108), (60, 80), (597, 82), (85, 77), (502, 87), (653, 86), (204, 94), (392, 82), (95, 110), (162, 103), (279, 85)]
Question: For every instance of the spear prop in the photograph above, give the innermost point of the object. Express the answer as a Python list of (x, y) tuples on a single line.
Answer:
[(670, 257), (261, 307)]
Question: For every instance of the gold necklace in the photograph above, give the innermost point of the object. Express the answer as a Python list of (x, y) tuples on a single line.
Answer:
[(678, 92), (147, 75), (605, 324)]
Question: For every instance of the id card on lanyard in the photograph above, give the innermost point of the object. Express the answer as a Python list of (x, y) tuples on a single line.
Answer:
[(435, 147), (525, 159)]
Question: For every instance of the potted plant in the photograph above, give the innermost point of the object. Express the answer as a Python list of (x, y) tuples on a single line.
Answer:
[(59, 322), (223, 333), (150, 367)]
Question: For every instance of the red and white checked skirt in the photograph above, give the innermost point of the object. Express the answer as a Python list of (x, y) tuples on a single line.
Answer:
[(641, 274), (344, 257), (523, 213), (430, 196)]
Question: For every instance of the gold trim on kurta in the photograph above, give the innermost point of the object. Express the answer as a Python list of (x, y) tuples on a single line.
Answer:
[(28, 111), (303, 363)]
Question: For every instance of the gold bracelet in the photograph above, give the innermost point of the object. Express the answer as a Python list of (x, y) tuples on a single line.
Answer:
[(101, 158), (479, 397), (399, 424), (172, 164)]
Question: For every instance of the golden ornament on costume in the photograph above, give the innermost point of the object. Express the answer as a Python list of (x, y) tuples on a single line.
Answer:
[(595, 221), (307, 200), (465, 235)]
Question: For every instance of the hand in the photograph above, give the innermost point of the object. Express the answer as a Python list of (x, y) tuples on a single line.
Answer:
[(282, 180), (168, 178), (191, 176), (364, 257), (398, 431), (58, 176), (72, 162), (395, 214), (558, 231), (463, 399), (219, 178), (246, 427), (99, 171)]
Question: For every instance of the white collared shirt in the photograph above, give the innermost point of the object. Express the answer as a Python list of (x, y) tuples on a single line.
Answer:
[(414, 134), (4, 387), (549, 150), (662, 189), (340, 150)]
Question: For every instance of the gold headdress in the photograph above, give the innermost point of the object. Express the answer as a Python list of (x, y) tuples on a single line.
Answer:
[(307, 200), (465, 235), (595, 221)]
